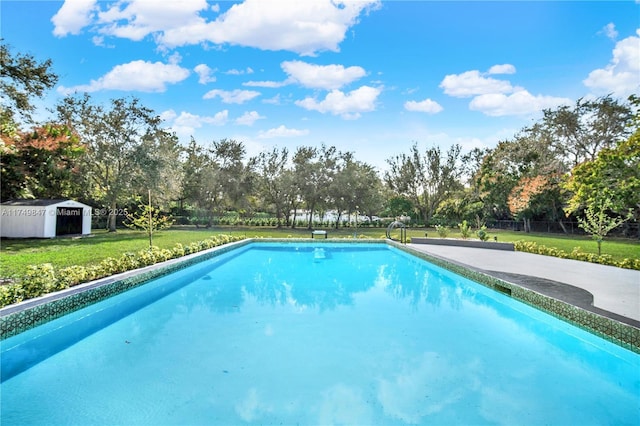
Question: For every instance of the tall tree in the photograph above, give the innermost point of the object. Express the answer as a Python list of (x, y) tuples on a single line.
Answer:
[(199, 172), (580, 131), (22, 77), (355, 187), (508, 169), (426, 179), (41, 163), (314, 171), (272, 180), (121, 139), (233, 180), (613, 175)]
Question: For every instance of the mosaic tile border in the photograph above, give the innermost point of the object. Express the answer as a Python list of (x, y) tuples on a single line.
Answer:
[(17, 318), (624, 335)]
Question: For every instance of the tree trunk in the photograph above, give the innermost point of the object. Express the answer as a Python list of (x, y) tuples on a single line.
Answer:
[(278, 217), (112, 217), (562, 226), (310, 226)]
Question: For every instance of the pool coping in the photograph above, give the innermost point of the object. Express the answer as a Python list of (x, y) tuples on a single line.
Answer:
[(17, 318)]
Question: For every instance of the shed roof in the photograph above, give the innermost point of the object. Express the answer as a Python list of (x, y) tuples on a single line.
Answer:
[(34, 202)]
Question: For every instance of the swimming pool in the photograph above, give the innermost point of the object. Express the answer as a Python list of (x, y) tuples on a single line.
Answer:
[(315, 333)]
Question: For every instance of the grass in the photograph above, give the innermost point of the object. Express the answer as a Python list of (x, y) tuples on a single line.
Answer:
[(16, 255)]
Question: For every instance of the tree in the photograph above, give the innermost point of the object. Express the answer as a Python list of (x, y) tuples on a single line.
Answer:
[(614, 174), (199, 171), (523, 197), (597, 221), (314, 171), (399, 206), (507, 170), (354, 188), (148, 219), (272, 180), (122, 143), (232, 180), (41, 163), (22, 78), (579, 132), (427, 180)]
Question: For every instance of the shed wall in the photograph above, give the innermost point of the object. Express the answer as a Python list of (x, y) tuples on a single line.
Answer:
[(23, 221)]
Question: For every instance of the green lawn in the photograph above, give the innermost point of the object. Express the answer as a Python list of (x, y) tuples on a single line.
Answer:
[(16, 255)]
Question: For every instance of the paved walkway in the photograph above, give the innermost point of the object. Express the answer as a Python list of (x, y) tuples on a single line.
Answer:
[(607, 290)]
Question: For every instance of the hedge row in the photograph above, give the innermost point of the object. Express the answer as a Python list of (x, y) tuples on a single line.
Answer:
[(44, 278), (576, 254)]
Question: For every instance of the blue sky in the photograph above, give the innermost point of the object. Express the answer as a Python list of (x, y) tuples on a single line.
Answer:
[(365, 76)]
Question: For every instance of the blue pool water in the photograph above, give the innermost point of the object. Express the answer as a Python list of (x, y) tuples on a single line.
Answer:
[(315, 334)]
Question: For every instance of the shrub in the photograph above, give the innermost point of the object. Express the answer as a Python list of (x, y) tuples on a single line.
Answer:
[(443, 231), (576, 254), (72, 275), (10, 294), (482, 233), (465, 229), (38, 280)]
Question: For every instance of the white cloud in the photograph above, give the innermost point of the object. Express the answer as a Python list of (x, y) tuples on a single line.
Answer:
[(347, 105), (73, 16), (138, 75), (472, 83), (135, 19), (609, 30), (495, 97), (326, 77), (204, 74), (194, 120), (299, 26), (282, 132), (248, 70), (168, 115), (186, 123), (274, 100), (502, 69), (621, 77), (429, 106), (520, 102), (248, 118), (269, 84), (232, 97)]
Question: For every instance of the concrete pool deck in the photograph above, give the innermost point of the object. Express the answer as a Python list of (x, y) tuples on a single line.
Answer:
[(605, 290)]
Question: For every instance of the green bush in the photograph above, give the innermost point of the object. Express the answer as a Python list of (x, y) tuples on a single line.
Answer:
[(38, 280), (10, 294), (443, 231), (73, 275), (576, 254), (465, 229), (482, 233)]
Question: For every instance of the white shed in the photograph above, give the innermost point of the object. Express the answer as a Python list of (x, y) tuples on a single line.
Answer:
[(44, 218)]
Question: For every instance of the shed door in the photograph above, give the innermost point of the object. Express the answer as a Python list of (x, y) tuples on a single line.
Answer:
[(68, 220)]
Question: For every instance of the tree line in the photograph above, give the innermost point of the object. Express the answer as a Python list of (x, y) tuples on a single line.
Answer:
[(577, 161)]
